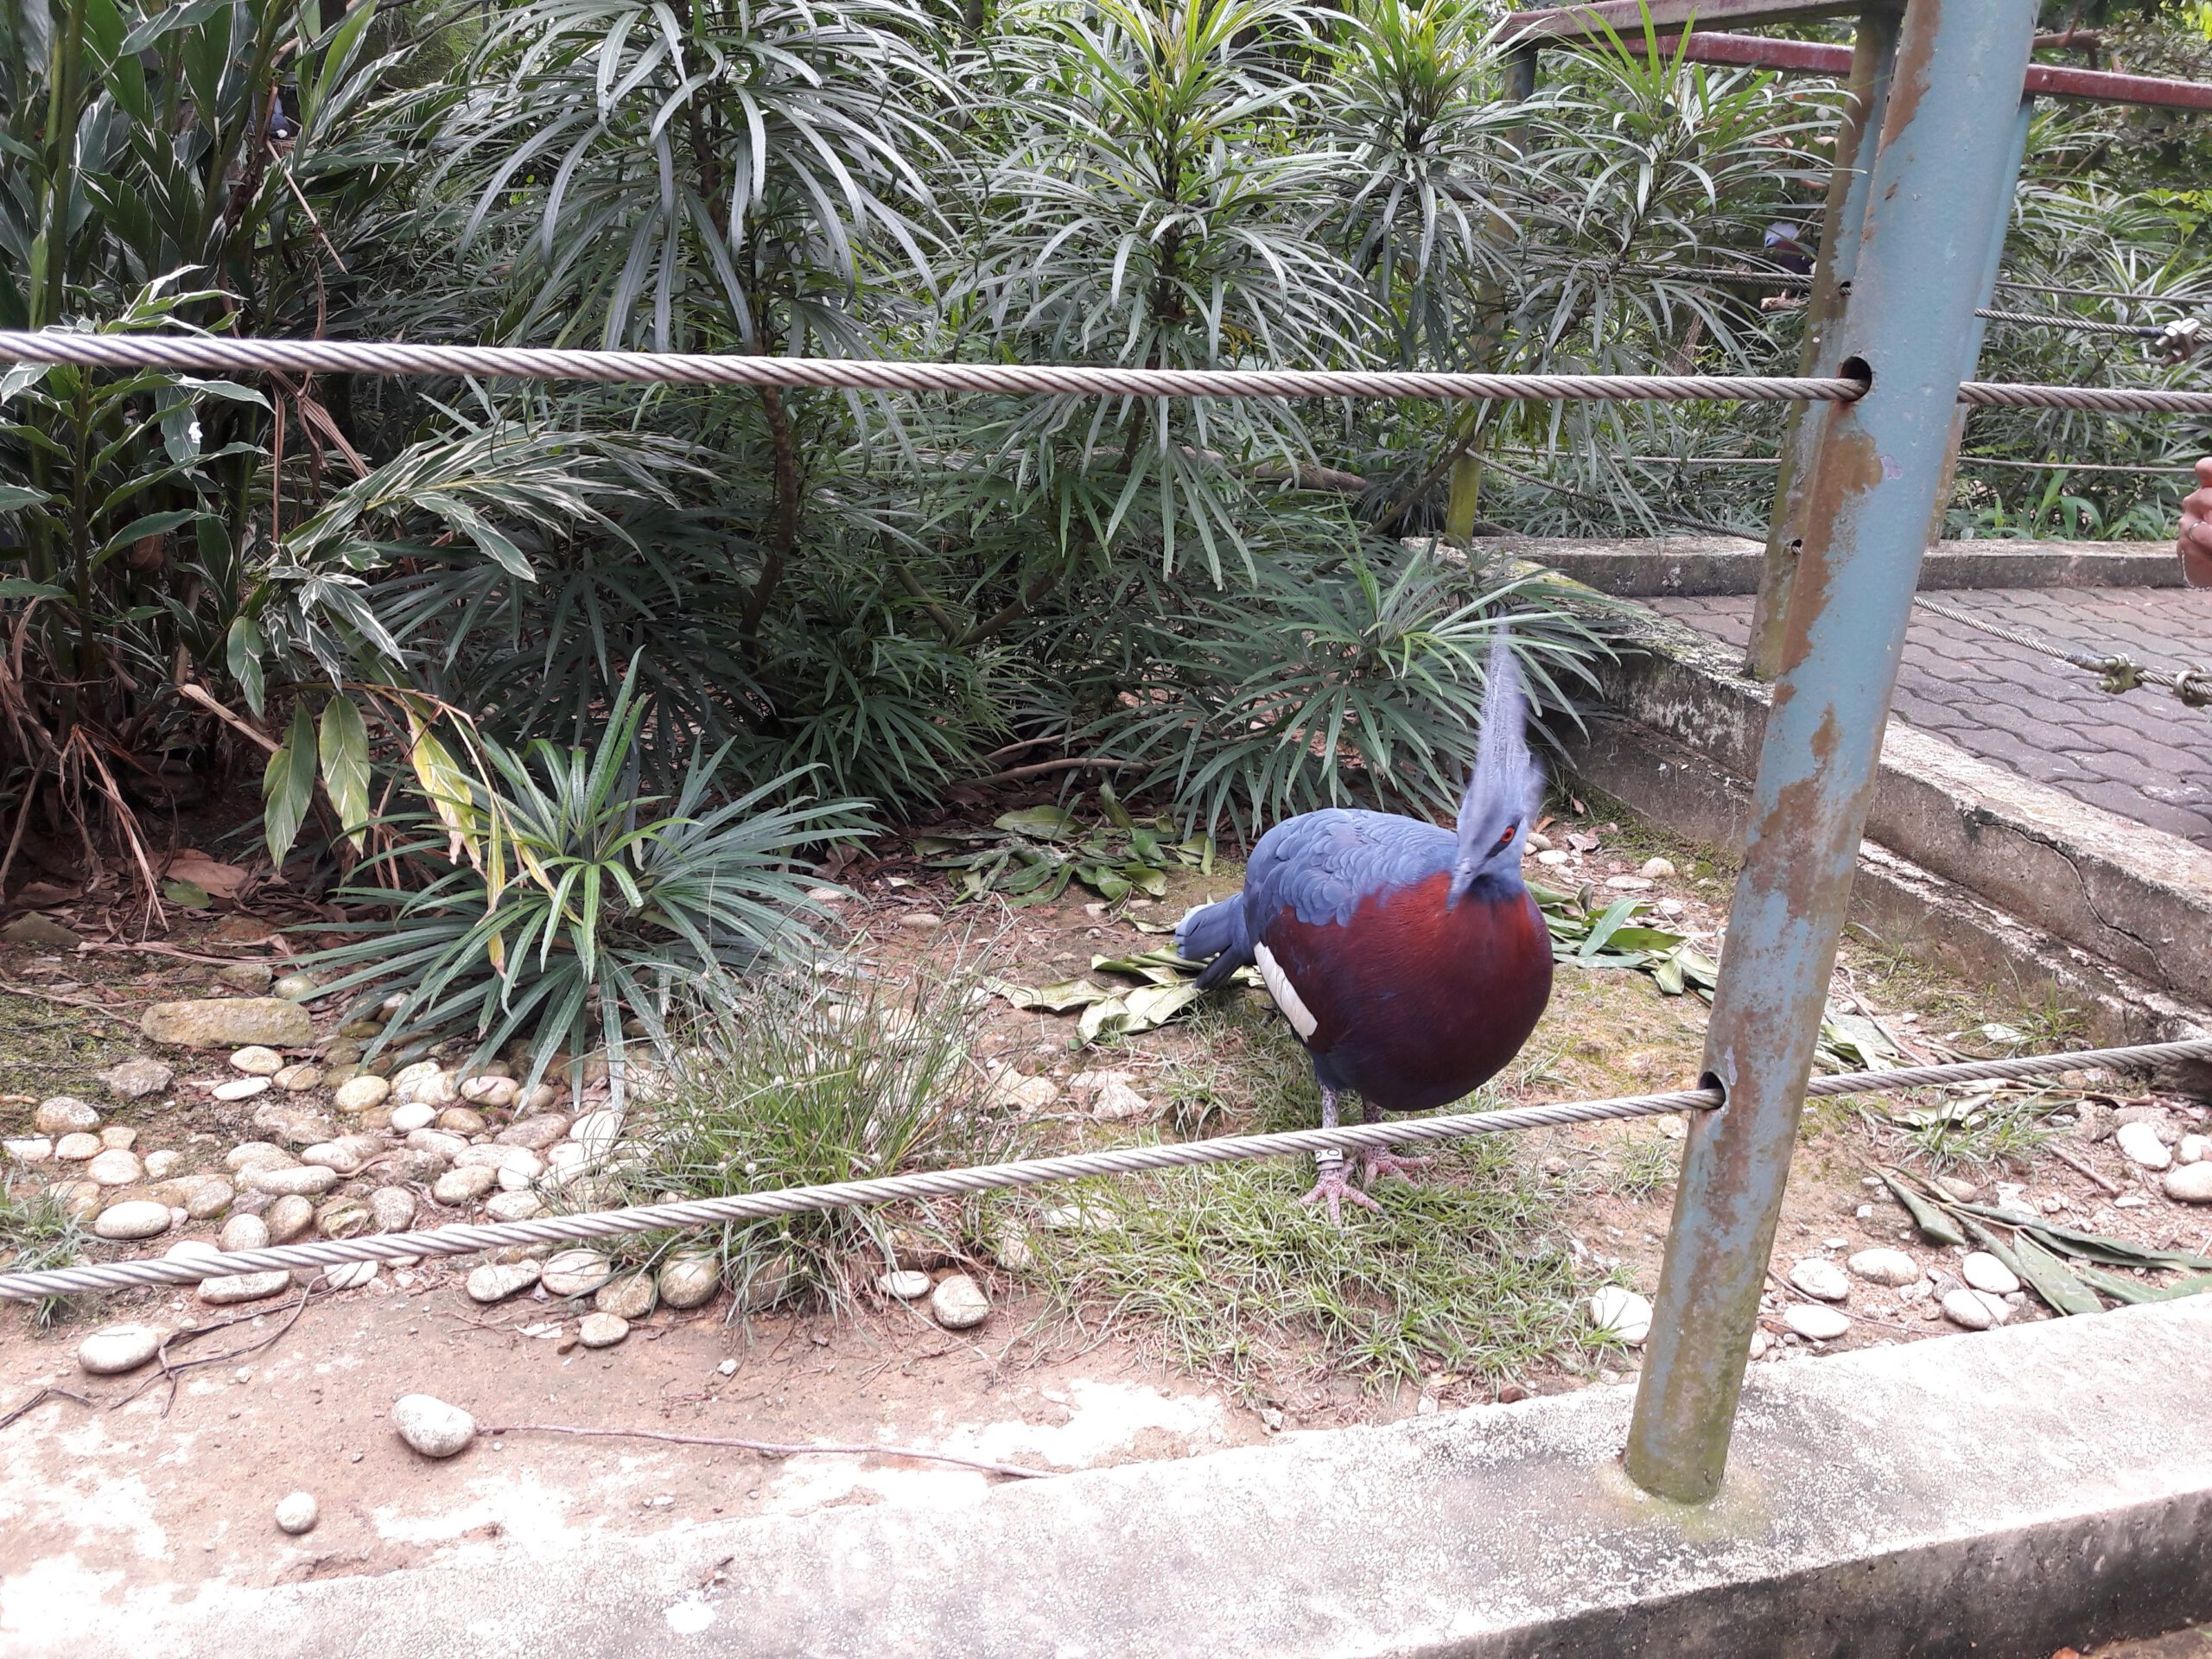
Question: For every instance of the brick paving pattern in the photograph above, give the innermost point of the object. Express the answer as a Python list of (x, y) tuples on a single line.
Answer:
[(2142, 755)]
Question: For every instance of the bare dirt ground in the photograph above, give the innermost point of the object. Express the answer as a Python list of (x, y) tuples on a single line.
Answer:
[(124, 1487)]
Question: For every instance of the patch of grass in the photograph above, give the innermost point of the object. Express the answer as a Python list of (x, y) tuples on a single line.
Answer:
[(50, 1048), (1234, 1052), (2049, 1024), (801, 1081), (36, 1233), (1639, 1167), (1233, 1276), (1985, 1126)]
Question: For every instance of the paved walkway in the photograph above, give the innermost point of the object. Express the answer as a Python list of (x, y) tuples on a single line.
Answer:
[(2142, 755)]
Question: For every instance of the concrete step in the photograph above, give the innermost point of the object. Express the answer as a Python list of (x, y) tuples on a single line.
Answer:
[(1999, 1495)]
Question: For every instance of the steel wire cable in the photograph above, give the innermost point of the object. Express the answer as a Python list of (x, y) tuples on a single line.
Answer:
[(467, 1239)]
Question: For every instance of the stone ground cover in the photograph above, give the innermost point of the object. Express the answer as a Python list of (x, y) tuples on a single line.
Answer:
[(1060, 1328)]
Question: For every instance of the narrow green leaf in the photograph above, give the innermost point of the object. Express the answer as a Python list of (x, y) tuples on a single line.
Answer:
[(288, 786), (1046, 822), (345, 750), (1934, 1226)]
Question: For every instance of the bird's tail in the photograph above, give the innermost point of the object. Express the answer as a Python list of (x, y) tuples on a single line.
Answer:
[(1215, 931)]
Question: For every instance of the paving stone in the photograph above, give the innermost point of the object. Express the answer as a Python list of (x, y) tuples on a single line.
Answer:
[(2133, 755)]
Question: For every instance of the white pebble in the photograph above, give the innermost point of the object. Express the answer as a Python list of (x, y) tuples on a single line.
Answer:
[(2191, 1184), (576, 1273), (430, 1426), (116, 1167), (1977, 1310), (257, 1062), (603, 1330), (1622, 1312), (2139, 1144), (114, 1348), (495, 1092), (689, 1281), (132, 1218), (241, 1088), (245, 1233), (1822, 1279), (1884, 1266), (499, 1282), (65, 1115), (349, 1275), (244, 1287), (1983, 1271), (301, 1180), (297, 1513), (359, 1094), (1815, 1322), (30, 1149), (958, 1303), (2195, 1148), (1656, 869), (905, 1283)]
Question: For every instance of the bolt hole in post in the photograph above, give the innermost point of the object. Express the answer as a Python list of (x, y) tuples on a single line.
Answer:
[(1858, 369)]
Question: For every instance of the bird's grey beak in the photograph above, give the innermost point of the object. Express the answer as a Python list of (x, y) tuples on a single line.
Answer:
[(1463, 880)]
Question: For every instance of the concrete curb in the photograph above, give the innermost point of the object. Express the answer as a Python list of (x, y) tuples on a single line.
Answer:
[(1708, 566), (1997, 1495), (2137, 897), (1894, 901)]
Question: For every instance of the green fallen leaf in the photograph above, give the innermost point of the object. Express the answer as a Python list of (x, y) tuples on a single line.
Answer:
[(1053, 999), (2040, 1270), (1141, 1009), (1046, 822), (1852, 1039), (1934, 1225), (190, 894), (2097, 1246), (1162, 967)]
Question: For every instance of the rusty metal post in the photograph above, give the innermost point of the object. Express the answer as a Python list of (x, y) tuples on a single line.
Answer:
[(1991, 266), (1867, 91), (1940, 183), (1520, 74)]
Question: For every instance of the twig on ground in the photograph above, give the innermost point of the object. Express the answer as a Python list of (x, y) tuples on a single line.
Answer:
[(1868, 1319), (39, 1399), (2081, 1167), (170, 1371), (1037, 769), (773, 1449), (86, 1004)]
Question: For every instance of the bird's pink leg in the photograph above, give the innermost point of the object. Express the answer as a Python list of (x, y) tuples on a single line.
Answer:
[(1376, 1162), (1330, 1186)]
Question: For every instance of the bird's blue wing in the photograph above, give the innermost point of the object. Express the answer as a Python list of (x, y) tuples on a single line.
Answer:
[(1320, 865)]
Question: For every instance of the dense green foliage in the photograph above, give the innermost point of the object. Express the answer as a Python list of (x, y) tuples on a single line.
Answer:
[(875, 598)]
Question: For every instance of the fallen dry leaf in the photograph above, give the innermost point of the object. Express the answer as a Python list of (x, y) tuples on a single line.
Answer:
[(218, 880)]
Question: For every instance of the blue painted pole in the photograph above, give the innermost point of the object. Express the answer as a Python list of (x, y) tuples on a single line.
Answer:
[(1941, 183), (1993, 264), (1844, 215)]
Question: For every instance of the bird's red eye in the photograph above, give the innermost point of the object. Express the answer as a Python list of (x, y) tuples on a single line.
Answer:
[(1506, 840)]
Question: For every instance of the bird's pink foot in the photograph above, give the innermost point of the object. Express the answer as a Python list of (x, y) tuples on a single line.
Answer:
[(1376, 1162), (1330, 1187)]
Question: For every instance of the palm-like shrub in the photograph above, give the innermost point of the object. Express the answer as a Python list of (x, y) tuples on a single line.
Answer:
[(568, 903), (1356, 684), (1155, 208)]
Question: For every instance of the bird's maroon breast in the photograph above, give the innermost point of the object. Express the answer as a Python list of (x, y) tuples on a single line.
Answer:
[(1415, 1001)]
